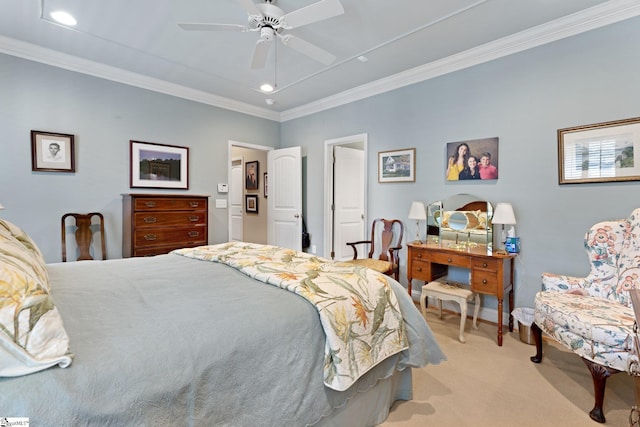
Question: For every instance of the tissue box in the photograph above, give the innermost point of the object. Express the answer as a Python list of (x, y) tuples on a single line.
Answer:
[(512, 245)]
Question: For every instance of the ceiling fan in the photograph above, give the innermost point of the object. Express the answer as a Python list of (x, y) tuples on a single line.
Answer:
[(269, 21)]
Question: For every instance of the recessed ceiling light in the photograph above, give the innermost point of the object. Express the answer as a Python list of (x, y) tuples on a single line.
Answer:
[(269, 101), (63, 17), (363, 58), (266, 87)]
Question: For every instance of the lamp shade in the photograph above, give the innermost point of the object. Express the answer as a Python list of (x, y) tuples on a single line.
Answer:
[(503, 214), (417, 211)]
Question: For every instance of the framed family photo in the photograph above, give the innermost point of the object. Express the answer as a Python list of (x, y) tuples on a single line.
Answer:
[(52, 152), (397, 165), (601, 152), (158, 166), (475, 159)]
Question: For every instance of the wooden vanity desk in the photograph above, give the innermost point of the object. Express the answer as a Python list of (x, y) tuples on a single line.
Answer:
[(491, 274)]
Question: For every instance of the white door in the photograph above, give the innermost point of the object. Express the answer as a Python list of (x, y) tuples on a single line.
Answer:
[(285, 198), (348, 193), (235, 200)]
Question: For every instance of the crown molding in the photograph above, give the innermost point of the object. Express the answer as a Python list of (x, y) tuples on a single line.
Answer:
[(57, 59), (598, 16), (595, 17)]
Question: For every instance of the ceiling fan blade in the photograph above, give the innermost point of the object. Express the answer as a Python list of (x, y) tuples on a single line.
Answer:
[(313, 13), (212, 27), (312, 51), (250, 7), (260, 54)]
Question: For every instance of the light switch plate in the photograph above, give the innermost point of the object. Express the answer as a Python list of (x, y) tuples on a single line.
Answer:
[(221, 203)]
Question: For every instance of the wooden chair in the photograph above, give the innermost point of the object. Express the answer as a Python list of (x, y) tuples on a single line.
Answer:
[(84, 234), (384, 247)]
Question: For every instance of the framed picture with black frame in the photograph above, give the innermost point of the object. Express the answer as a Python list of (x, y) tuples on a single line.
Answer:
[(251, 171), (52, 152), (251, 203)]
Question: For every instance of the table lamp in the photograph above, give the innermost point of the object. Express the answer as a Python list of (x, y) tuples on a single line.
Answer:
[(503, 215), (417, 212)]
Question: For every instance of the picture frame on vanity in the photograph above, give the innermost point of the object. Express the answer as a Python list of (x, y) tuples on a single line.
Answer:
[(158, 165), (600, 152), (52, 152), (397, 165), (251, 203)]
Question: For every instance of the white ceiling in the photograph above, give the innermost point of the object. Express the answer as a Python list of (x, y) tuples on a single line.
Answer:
[(138, 42)]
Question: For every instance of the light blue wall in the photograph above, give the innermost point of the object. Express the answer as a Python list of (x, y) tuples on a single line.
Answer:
[(104, 116), (523, 99)]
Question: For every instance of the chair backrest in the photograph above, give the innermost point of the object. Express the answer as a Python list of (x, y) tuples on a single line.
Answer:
[(385, 234), (84, 232), (613, 248)]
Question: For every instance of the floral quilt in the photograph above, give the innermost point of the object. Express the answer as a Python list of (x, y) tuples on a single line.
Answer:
[(358, 309)]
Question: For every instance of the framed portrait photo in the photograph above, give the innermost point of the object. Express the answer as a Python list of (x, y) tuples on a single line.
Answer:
[(251, 203), (397, 165), (251, 171), (158, 166), (601, 152), (52, 152), (475, 159)]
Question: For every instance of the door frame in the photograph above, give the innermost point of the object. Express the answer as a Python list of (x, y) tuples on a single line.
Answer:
[(230, 145), (329, 144)]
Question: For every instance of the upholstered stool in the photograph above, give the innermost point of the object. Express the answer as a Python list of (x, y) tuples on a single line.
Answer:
[(449, 291)]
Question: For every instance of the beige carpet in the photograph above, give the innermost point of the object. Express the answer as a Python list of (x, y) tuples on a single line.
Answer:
[(482, 384)]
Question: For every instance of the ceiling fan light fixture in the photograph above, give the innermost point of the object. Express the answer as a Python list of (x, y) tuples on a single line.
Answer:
[(266, 87), (64, 18)]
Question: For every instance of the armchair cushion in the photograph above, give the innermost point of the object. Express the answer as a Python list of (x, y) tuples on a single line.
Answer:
[(597, 329)]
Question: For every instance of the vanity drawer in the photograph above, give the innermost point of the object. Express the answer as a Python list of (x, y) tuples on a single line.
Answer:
[(451, 259), (484, 281), (486, 264), (164, 219), (420, 270)]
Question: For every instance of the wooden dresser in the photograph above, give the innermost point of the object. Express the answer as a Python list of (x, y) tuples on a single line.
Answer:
[(491, 274), (155, 224)]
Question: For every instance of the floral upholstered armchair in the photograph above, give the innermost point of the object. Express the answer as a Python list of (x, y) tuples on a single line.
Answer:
[(593, 316)]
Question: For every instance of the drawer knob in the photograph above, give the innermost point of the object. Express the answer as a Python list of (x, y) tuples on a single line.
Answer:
[(150, 237), (150, 204), (419, 255), (194, 218), (419, 269), (194, 204), (150, 219), (484, 281), (194, 233), (484, 264), (449, 260)]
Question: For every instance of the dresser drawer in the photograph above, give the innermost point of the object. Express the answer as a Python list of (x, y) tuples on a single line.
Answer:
[(169, 204), (173, 219), (484, 281), (451, 259), (164, 236)]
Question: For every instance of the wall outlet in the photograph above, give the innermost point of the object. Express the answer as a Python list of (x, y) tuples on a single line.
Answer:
[(313, 249)]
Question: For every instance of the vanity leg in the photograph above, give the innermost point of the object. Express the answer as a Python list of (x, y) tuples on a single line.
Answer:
[(500, 308)]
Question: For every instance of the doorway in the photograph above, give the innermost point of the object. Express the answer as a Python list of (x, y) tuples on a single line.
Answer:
[(345, 194)]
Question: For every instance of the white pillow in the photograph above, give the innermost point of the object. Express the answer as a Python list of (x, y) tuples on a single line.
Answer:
[(32, 335)]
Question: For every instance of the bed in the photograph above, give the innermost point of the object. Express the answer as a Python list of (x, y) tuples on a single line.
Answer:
[(177, 339)]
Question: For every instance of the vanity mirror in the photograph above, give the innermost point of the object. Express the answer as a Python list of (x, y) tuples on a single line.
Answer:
[(460, 221)]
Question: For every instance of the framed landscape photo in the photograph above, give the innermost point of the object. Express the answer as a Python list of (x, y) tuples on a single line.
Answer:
[(251, 171), (251, 203), (601, 152), (397, 165), (158, 166), (52, 152), (475, 159)]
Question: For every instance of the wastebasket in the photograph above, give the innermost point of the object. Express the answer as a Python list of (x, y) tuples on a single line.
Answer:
[(524, 316)]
